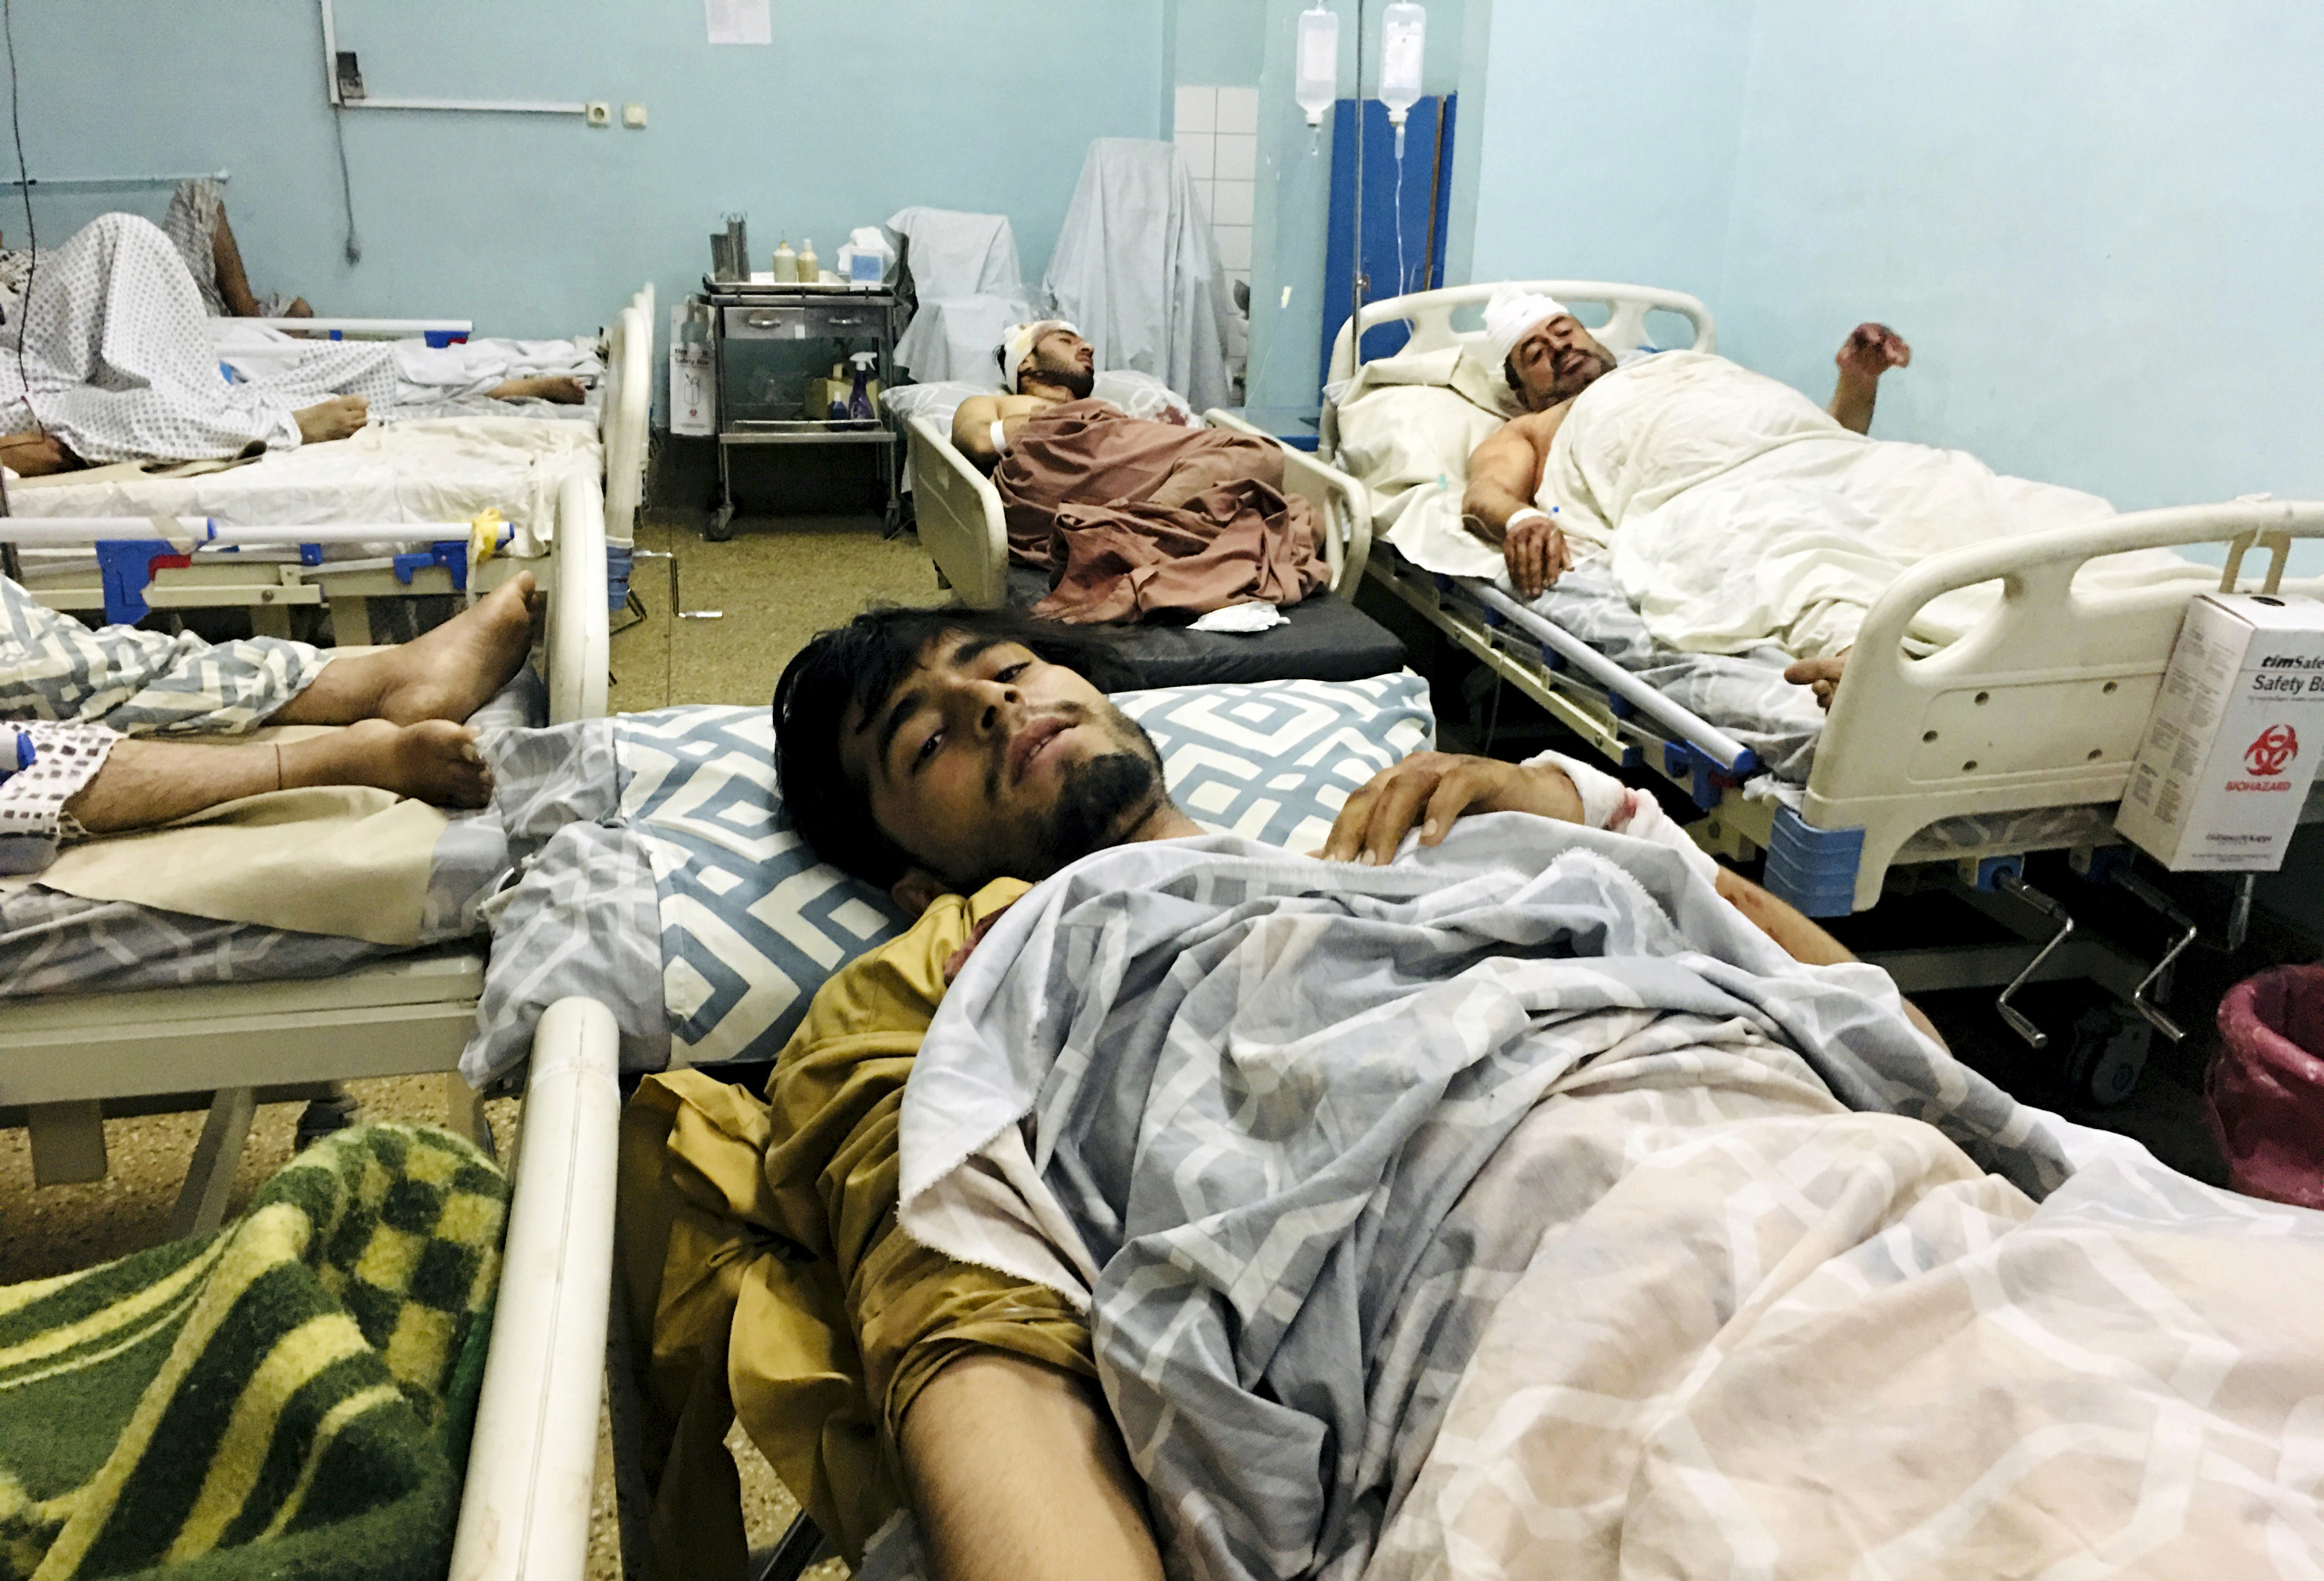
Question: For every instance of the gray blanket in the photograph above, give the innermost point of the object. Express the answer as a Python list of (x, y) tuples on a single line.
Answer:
[(1241, 1104)]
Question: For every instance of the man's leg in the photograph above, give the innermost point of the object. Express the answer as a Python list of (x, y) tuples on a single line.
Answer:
[(145, 783), (447, 673), (1017, 1473)]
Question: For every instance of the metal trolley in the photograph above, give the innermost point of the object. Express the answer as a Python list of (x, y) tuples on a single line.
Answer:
[(760, 337)]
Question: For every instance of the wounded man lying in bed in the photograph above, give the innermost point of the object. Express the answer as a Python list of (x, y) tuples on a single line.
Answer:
[(108, 712), (1134, 518), (1527, 1188), (119, 363), (1731, 510)]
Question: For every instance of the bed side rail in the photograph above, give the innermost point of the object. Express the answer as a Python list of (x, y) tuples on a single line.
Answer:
[(578, 656), (1341, 505), (625, 415), (2042, 703), (958, 513), (1430, 315), (532, 1461)]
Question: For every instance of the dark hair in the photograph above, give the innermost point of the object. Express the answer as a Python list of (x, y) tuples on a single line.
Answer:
[(857, 666), (1008, 376)]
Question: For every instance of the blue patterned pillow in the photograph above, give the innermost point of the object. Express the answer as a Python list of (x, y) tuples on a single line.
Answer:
[(751, 924)]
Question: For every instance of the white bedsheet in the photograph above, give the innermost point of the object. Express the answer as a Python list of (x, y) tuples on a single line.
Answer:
[(1736, 513), (433, 470), (470, 367)]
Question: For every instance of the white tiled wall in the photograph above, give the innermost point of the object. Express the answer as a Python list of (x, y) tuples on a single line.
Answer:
[(1217, 128)]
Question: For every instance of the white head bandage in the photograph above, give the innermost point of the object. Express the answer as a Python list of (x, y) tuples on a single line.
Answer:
[(1020, 342), (1510, 316)]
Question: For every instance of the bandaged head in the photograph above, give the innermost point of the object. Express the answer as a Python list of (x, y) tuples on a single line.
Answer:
[(1021, 340), (1510, 316)]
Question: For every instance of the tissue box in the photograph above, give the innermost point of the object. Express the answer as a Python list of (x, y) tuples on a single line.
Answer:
[(2230, 750)]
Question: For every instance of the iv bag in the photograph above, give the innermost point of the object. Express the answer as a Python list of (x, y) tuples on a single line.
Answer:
[(1404, 27), (1318, 62)]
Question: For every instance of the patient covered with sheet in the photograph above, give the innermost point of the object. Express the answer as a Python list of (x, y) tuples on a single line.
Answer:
[(113, 357), (1542, 1197), (1729, 509), (1135, 519)]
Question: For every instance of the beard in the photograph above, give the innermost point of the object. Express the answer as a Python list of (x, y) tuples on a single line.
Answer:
[(1077, 382), (1094, 804)]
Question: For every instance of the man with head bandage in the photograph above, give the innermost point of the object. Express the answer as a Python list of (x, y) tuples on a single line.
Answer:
[(1550, 361), (1044, 363)]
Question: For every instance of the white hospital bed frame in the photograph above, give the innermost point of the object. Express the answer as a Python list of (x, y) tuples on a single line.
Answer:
[(961, 526), (62, 1055), (270, 588)]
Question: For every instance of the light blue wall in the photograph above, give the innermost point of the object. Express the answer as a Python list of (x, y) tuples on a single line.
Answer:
[(536, 226), (2096, 224), (1221, 44)]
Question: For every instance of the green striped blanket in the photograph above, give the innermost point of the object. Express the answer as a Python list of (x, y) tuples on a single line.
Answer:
[(288, 1397)]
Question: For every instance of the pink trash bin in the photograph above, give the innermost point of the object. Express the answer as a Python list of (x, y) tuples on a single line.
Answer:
[(2265, 1086)]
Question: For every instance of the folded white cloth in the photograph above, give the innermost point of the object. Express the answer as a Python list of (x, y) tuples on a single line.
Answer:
[(1244, 619), (1511, 314)]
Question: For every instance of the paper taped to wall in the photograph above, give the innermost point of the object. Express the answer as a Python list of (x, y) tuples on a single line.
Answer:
[(738, 21)]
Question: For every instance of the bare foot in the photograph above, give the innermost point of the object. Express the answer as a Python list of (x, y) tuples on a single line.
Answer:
[(557, 387), (33, 453), (447, 673), (1821, 674), (434, 761), (298, 309), (335, 419)]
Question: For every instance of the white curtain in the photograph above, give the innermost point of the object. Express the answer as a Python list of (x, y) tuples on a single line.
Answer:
[(1136, 269), (971, 289)]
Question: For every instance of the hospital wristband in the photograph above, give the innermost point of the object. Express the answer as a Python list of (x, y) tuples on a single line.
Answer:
[(999, 437), (1517, 516)]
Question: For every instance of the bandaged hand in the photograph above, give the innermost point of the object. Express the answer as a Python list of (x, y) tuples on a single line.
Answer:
[(1871, 351), (1536, 553), (1431, 788)]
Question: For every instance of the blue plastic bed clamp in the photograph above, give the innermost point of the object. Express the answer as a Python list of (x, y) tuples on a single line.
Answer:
[(1632, 758), (1990, 869), (1812, 869), (125, 566), (1707, 778), (2104, 862), (1443, 583), (310, 554), (451, 553), (617, 575), (1552, 661), (1620, 707), (339, 335), (438, 338)]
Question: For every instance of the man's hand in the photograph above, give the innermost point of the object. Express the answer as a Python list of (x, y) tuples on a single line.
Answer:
[(1821, 675), (1869, 351), (1536, 555), (1434, 788)]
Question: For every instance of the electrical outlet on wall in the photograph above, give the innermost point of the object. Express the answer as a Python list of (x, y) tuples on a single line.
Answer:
[(598, 113), (634, 115)]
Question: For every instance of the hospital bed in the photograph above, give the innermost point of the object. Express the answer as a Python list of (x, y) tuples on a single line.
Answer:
[(1325, 638), (62, 1056), (1948, 768), (409, 473)]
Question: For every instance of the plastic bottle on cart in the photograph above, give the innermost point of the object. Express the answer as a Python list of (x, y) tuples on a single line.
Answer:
[(859, 399), (786, 262), (1404, 33), (810, 268), (1317, 62)]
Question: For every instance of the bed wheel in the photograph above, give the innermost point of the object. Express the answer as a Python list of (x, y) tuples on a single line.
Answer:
[(2109, 1053), (720, 528)]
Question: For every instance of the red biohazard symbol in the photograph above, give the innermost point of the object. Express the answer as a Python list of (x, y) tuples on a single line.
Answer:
[(2274, 750)]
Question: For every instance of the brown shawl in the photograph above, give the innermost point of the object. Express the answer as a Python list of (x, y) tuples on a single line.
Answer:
[(1136, 519)]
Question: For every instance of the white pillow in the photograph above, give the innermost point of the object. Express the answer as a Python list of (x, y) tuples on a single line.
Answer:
[(1138, 395)]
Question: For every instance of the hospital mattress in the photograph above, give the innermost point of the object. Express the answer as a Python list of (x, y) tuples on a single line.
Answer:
[(55, 943), (1325, 638)]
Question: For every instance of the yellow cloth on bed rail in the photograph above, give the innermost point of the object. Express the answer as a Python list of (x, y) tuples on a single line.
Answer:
[(764, 1262), (344, 859)]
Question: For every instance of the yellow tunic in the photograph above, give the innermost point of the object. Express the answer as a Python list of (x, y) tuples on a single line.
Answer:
[(764, 1236)]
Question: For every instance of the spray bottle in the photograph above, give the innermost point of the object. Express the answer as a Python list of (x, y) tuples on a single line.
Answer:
[(859, 399)]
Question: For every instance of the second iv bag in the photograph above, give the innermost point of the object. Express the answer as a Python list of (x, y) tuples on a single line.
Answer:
[(1404, 28), (1318, 62)]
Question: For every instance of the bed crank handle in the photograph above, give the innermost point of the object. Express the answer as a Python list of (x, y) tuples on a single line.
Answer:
[(2011, 884), (2139, 1001)]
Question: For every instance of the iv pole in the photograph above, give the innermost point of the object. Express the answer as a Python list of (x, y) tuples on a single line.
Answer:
[(1355, 279)]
